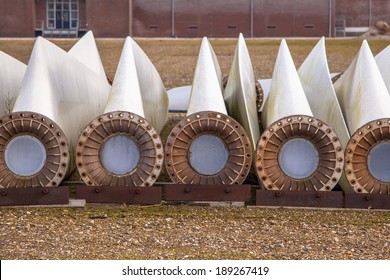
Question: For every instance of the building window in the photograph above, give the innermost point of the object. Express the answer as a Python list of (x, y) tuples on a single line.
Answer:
[(62, 14)]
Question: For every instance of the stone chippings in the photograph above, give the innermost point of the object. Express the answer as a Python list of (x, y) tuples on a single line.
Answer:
[(193, 232)]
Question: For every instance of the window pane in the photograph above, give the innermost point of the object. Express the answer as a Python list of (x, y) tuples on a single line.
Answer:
[(50, 6), (58, 7), (51, 24), (74, 23), (74, 6), (74, 15), (66, 7), (50, 15)]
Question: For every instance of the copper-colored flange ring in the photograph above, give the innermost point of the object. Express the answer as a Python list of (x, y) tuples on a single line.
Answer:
[(367, 157), (131, 145), (259, 96), (33, 151), (308, 136), (208, 148)]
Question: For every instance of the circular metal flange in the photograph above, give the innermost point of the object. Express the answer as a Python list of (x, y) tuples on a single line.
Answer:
[(329, 150), (259, 96), (362, 142), (44, 133), (220, 126), (99, 131)]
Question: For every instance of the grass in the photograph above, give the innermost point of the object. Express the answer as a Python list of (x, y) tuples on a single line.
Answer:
[(175, 59)]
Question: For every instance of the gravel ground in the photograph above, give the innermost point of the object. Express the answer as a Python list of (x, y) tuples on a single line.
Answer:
[(193, 232)]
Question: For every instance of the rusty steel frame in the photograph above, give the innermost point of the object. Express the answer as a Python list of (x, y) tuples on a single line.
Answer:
[(193, 192), (317, 199), (367, 201), (120, 194), (34, 196)]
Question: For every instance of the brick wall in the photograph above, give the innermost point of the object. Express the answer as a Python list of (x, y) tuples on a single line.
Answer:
[(17, 18), (197, 18), (108, 18), (356, 13)]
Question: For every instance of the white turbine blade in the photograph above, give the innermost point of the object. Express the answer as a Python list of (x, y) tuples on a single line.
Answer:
[(383, 61), (154, 96), (318, 87), (179, 98), (60, 87), (121, 157), (317, 83), (362, 92), (240, 92), (85, 51), (365, 100), (206, 93), (286, 96), (11, 77), (125, 92)]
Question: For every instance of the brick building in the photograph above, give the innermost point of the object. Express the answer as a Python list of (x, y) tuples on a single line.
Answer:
[(189, 18)]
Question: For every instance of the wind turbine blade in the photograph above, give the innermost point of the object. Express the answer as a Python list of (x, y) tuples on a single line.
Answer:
[(11, 77), (296, 151), (206, 92), (58, 97), (207, 146), (240, 92), (364, 100), (317, 84), (121, 147)]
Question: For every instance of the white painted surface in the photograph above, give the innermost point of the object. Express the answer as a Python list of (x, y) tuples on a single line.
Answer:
[(11, 78), (206, 92), (240, 92), (317, 84), (286, 96), (361, 91)]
